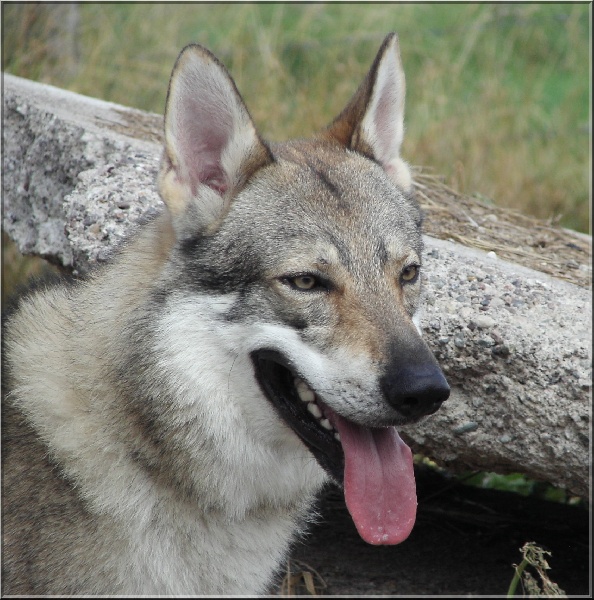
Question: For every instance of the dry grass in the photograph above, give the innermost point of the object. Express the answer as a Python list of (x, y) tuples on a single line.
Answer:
[(541, 586), (301, 579), (521, 239)]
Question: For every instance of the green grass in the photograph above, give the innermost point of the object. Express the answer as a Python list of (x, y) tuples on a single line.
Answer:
[(522, 485), (517, 483), (497, 94)]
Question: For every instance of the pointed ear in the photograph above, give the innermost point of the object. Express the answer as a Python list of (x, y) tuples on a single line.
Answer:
[(373, 121), (211, 144)]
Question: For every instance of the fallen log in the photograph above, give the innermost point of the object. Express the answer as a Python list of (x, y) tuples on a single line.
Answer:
[(514, 342)]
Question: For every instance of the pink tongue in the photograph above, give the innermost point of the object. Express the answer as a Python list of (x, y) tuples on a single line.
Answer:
[(379, 482)]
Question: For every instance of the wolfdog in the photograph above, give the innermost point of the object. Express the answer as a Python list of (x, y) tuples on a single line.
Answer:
[(170, 419)]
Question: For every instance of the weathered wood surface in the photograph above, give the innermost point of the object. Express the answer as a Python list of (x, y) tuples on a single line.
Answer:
[(514, 343)]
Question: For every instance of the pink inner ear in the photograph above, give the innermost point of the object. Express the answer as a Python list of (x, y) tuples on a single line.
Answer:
[(202, 131), (384, 123), (386, 118)]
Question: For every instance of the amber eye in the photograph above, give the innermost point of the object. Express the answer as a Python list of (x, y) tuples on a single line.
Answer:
[(409, 273), (304, 282)]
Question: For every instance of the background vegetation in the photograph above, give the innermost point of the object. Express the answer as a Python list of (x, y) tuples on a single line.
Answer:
[(497, 94)]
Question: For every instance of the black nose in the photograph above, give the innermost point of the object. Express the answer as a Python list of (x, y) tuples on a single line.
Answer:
[(416, 391)]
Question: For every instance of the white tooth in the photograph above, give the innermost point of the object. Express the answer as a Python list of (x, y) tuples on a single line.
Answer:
[(337, 436), (304, 391), (314, 409), (325, 424), (306, 395)]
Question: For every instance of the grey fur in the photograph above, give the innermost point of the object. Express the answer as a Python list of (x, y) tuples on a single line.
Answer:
[(142, 451)]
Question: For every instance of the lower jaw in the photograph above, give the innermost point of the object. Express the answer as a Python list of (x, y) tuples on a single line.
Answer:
[(276, 380)]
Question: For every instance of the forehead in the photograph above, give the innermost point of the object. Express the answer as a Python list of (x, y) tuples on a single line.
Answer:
[(336, 200)]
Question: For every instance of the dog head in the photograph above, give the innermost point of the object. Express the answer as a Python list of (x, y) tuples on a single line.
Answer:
[(316, 246)]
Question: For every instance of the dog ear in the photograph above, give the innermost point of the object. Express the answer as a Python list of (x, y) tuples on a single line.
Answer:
[(211, 144), (373, 121)]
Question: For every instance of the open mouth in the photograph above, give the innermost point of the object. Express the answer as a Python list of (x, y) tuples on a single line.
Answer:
[(374, 465), (301, 409)]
